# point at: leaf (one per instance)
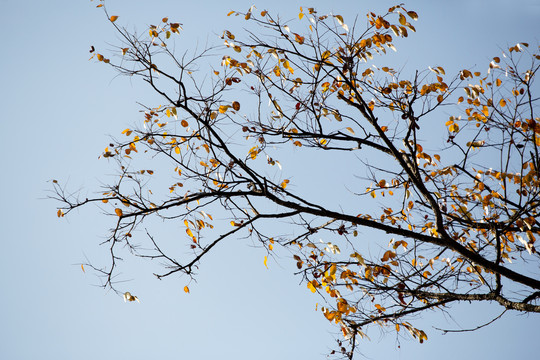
(113, 18)
(236, 105)
(186, 289)
(82, 268)
(118, 212)
(413, 15)
(299, 39)
(265, 261)
(184, 123)
(129, 297)
(502, 103)
(402, 19)
(349, 129)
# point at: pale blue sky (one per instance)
(58, 109)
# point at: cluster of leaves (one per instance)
(448, 226)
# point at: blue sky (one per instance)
(58, 110)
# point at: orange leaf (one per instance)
(186, 289)
(113, 18)
(118, 212)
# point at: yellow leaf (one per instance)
(118, 212)
(188, 231)
(60, 213)
(502, 103)
(129, 297)
(311, 287)
(265, 261)
(223, 109)
(402, 19)
(413, 16)
(186, 289)
(284, 183)
(82, 267)
(300, 16)
(177, 149)
(350, 130)
(113, 18)
(100, 57)
(332, 269)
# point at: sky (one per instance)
(58, 111)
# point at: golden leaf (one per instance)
(186, 289)
(129, 297)
(113, 18)
(413, 15)
(118, 212)
(265, 261)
